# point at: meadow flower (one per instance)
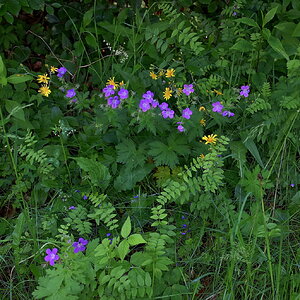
(217, 107)
(148, 95)
(202, 156)
(44, 90)
(188, 89)
(292, 185)
(210, 139)
(113, 102)
(245, 90)
(61, 72)
(186, 113)
(180, 128)
(227, 113)
(202, 122)
(85, 197)
(80, 245)
(154, 103)
(72, 207)
(167, 93)
(144, 105)
(201, 108)
(163, 106)
(51, 256)
(168, 113)
(217, 92)
(53, 69)
(108, 90)
(123, 93)
(153, 75)
(71, 93)
(111, 81)
(43, 78)
(170, 73)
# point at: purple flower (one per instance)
(72, 207)
(188, 89)
(234, 13)
(80, 245)
(85, 197)
(183, 217)
(136, 196)
(183, 233)
(148, 95)
(144, 105)
(168, 113)
(245, 90)
(217, 107)
(184, 225)
(123, 93)
(114, 102)
(154, 103)
(74, 100)
(186, 113)
(108, 90)
(164, 106)
(227, 113)
(61, 72)
(52, 256)
(180, 128)
(77, 191)
(71, 93)
(292, 185)
(108, 234)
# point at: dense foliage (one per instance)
(150, 149)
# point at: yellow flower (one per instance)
(53, 69)
(202, 122)
(170, 73)
(167, 94)
(161, 73)
(44, 90)
(201, 108)
(43, 78)
(111, 81)
(179, 91)
(202, 155)
(210, 139)
(153, 75)
(121, 83)
(218, 93)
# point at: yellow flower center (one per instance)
(210, 139)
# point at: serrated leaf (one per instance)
(136, 239)
(126, 228)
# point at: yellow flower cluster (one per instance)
(111, 81)
(44, 80)
(168, 73)
(210, 139)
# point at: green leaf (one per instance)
(87, 17)
(15, 109)
(242, 45)
(18, 78)
(136, 239)
(126, 228)
(123, 249)
(2, 68)
(275, 43)
(250, 145)
(269, 16)
(296, 32)
(248, 21)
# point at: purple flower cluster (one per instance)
(70, 94)
(186, 113)
(80, 245)
(115, 101)
(218, 107)
(147, 102)
(245, 90)
(188, 89)
(51, 256)
(61, 72)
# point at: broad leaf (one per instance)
(126, 228)
(136, 239)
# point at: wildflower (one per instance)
(111, 81)
(183, 233)
(202, 122)
(52, 256)
(210, 139)
(227, 113)
(44, 90)
(108, 234)
(77, 191)
(163, 106)
(170, 73)
(148, 95)
(202, 156)
(186, 113)
(43, 78)
(168, 113)
(71, 93)
(180, 128)
(113, 102)
(74, 100)
(217, 92)
(108, 90)
(72, 207)
(167, 93)
(85, 197)
(217, 107)
(136, 196)
(183, 217)
(145, 105)
(61, 72)
(161, 73)
(292, 185)
(121, 83)
(179, 91)
(53, 69)
(80, 245)
(123, 93)
(153, 76)
(245, 90)
(184, 225)
(154, 103)
(188, 89)
(201, 108)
